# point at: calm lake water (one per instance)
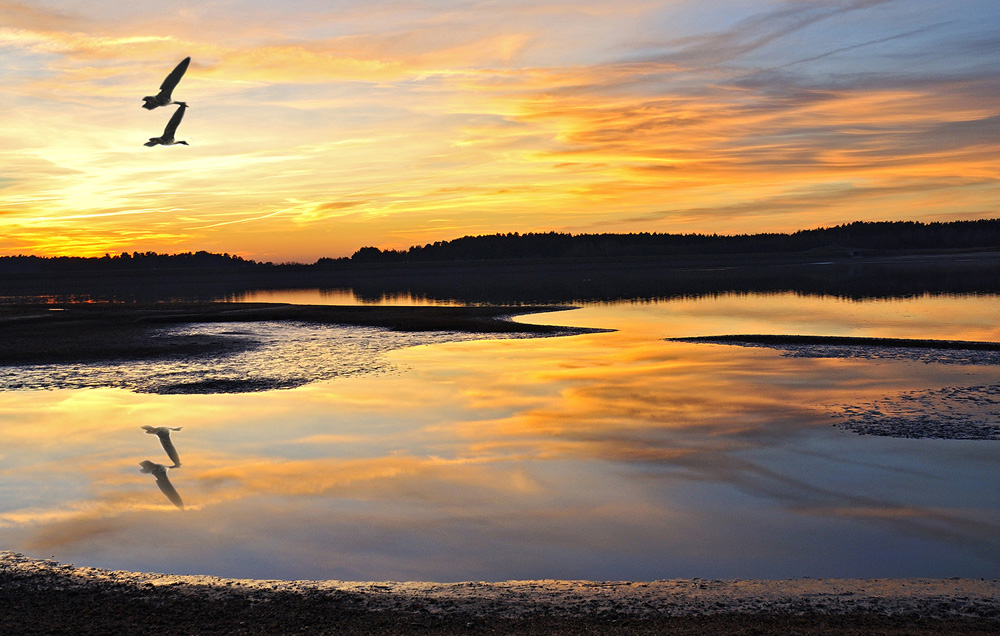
(607, 455)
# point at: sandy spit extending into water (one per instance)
(43, 596)
(95, 332)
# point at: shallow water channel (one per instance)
(607, 455)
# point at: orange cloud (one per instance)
(428, 125)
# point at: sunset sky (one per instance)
(321, 126)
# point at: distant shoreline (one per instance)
(42, 597)
(535, 281)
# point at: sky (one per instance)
(321, 126)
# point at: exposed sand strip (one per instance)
(95, 332)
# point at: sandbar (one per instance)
(95, 332)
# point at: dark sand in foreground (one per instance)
(45, 597)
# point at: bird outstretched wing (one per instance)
(159, 471)
(175, 120)
(175, 76)
(163, 432)
(168, 446)
(168, 489)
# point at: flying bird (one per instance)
(164, 97)
(167, 138)
(163, 432)
(160, 472)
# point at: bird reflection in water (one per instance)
(163, 432)
(160, 472)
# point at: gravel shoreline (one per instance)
(46, 597)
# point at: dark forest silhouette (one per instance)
(851, 239)
(854, 239)
(136, 261)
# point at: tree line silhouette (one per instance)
(125, 262)
(850, 238)
(856, 238)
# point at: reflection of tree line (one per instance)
(159, 471)
(527, 282)
(552, 283)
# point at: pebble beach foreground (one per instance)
(46, 597)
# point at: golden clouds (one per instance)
(422, 124)
(271, 64)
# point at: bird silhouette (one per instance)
(160, 472)
(167, 138)
(165, 96)
(163, 432)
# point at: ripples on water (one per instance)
(277, 355)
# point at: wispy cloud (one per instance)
(542, 116)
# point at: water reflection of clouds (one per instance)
(611, 455)
(663, 417)
(926, 316)
(654, 397)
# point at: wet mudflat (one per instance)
(42, 597)
(90, 332)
